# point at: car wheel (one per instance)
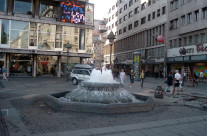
(75, 81)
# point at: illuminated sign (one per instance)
(73, 11)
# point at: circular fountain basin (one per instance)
(114, 108)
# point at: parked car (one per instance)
(78, 75)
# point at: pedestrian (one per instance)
(177, 79)
(131, 75)
(195, 78)
(201, 76)
(142, 79)
(169, 83)
(122, 77)
(4, 71)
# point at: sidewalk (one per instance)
(172, 115)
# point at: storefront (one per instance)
(2, 61)
(195, 58)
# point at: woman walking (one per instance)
(122, 76)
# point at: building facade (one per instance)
(35, 35)
(99, 38)
(137, 24)
(187, 29)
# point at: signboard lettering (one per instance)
(201, 48)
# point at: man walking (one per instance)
(201, 76)
(4, 71)
(177, 79)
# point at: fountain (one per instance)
(101, 94)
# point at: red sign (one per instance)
(201, 48)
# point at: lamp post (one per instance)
(115, 61)
(68, 46)
(111, 38)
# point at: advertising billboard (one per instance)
(73, 11)
(137, 64)
(89, 14)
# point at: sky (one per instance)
(102, 7)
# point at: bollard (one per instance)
(159, 92)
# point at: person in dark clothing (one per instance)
(195, 78)
(169, 83)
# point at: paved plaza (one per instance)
(176, 115)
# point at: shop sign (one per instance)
(201, 48)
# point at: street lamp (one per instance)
(111, 38)
(68, 46)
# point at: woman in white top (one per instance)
(122, 76)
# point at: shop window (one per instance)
(21, 65)
(47, 65)
(48, 9)
(46, 36)
(5, 32)
(19, 34)
(23, 7)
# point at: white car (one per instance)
(78, 75)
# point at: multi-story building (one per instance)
(136, 24)
(99, 38)
(35, 34)
(188, 29)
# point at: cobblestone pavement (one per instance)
(37, 119)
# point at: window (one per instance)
(46, 36)
(112, 16)
(163, 10)
(136, 23)
(189, 18)
(120, 10)
(4, 32)
(130, 2)
(153, 15)
(120, 31)
(19, 37)
(33, 34)
(112, 25)
(124, 29)
(130, 27)
(180, 42)
(48, 9)
(23, 7)
(175, 43)
(143, 6)
(149, 2)
(173, 5)
(3, 5)
(117, 13)
(110, 10)
(58, 39)
(120, 1)
(184, 41)
(183, 2)
(125, 17)
(143, 20)
(113, 7)
(136, 10)
(130, 14)
(170, 43)
(183, 20)
(109, 19)
(136, 0)
(196, 15)
(120, 20)
(116, 23)
(204, 11)
(149, 17)
(203, 38)
(158, 12)
(125, 6)
(173, 24)
(190, 39)
(196, 41)
(82, 39)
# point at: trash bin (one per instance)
(159, 92)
